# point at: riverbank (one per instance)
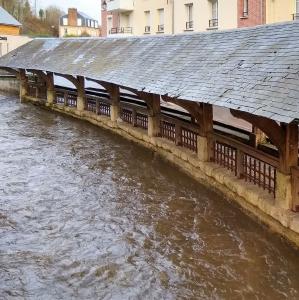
(251, 198)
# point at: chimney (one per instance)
(73, 16)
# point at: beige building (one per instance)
(139, 17)
(201, 15)
(10, 37)
(11, 42)
(281, 10)
(127, 17)
(77, 24)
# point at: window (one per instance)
(215, 9)
(161, 20)
(147, 16)
(245, 8)
(65, 31)
(109, 23)
(79, 22)
(65, 21)
(189, 13)
(297, 6)
(214, 21)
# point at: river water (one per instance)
(85, 214)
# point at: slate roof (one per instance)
(82, 14)
(254, 70)
(7, 19)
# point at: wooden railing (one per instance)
(259, 172)
(71, 99)
(98, 105)
(179, 131)
(135, 115)
(295, 188)
(37, 90)
(168, 130)
(245, 162)
(59, 98)
(66, 97)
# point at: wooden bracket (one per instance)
(268, 126)
(48, 77)
(12, 71)
(284, 137)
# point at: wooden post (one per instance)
(178, 134)
(289, 152)
(50, 88)
(23, 85)
(240, 165)
(115, 102)
(204, 144)
(98, 111)
(295, 189)
(65, 98)
(81, 93)
(134, 117)
(154, 115)
(288, 159)
(257, 137)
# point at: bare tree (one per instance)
(53, 14)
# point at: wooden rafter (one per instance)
(12, 71)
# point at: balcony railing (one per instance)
(161, 28)
(120, 5)
(189, 25)
(213, 23)
(296, 16)
(245, 14)
(117, 30)
(147, 29)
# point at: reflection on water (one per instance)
(85, 214)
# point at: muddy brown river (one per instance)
(85, 214)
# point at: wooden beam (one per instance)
(70, 78)
(12, 71)
(268, 126)
(192, 107)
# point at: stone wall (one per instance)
(9, 84)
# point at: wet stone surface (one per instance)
(85, 214)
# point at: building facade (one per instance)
(258, 12)
(78, 24)
(10, 29)
(8, 24)
(142, 17)
(204, 15)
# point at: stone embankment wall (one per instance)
(9, 84)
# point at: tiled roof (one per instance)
(255, 70)
(7, 19)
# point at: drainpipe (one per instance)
(262, 12)
(173, 1)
